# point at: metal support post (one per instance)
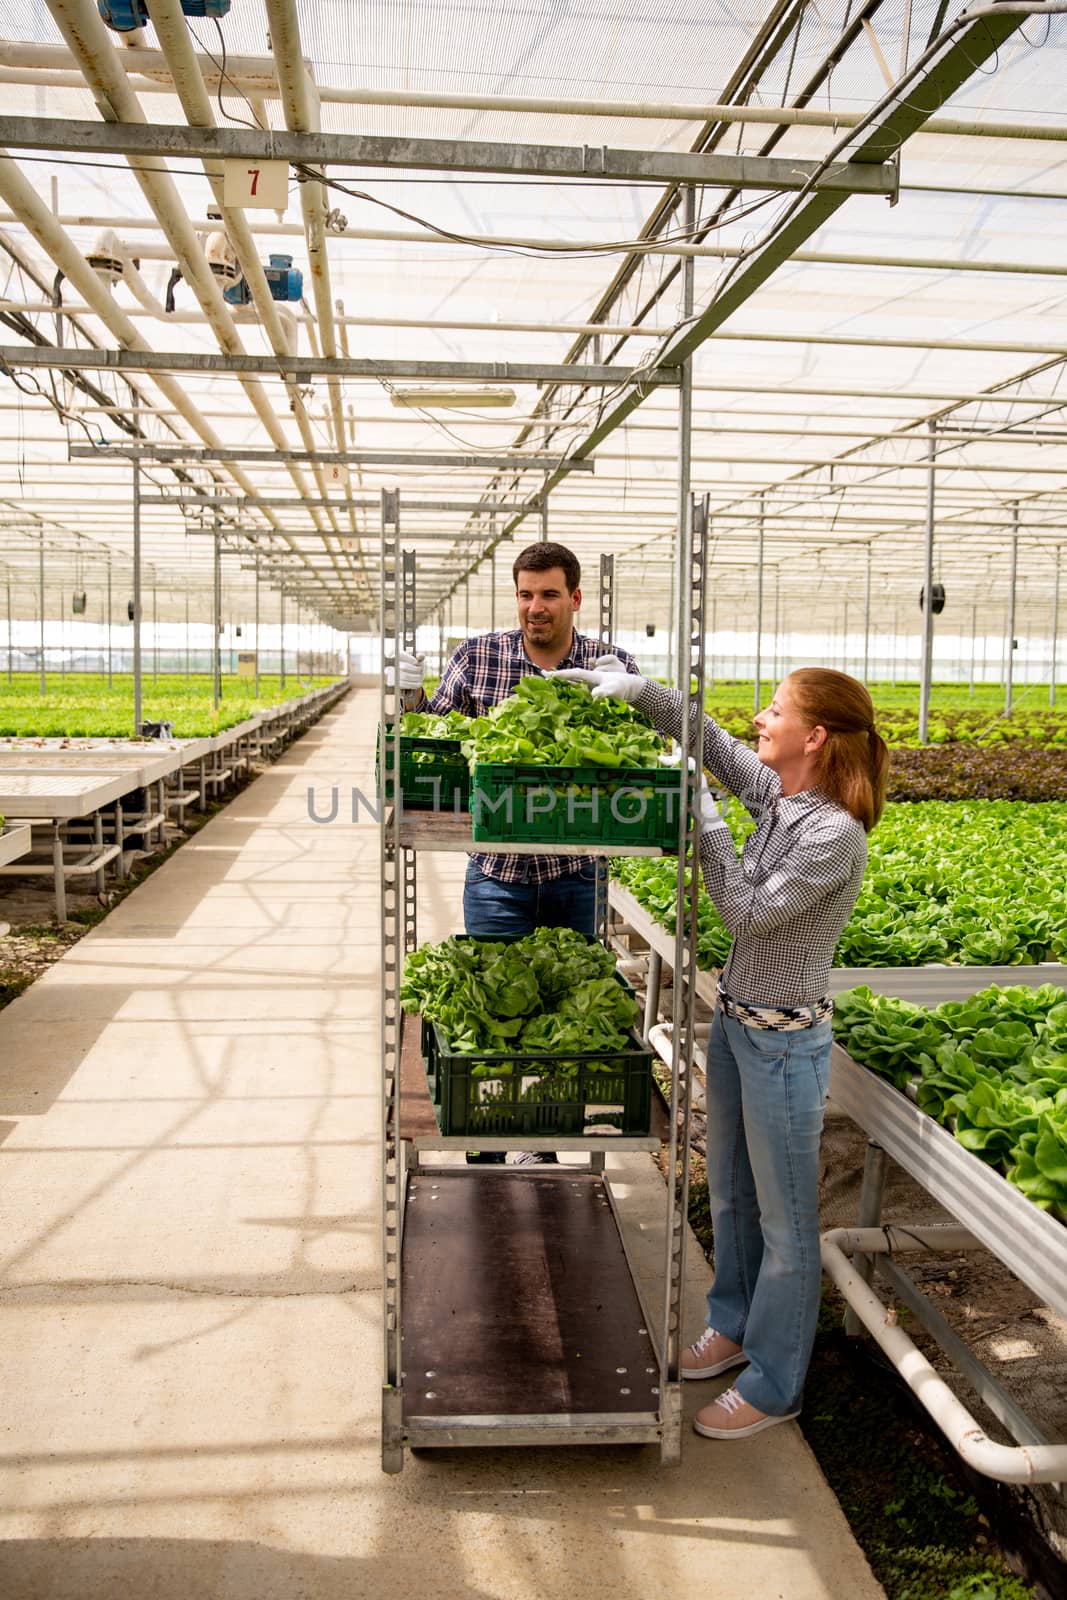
(867, 618)
(974, 641)
(9, 633)
(758, 673)
(100, 875)
(109, 620)
(777, 673)
(256, 628)
(680, 567)
(1055, 628)
(652, 985)
(1009, 642)
(58, 873)
(281, 636)
(155, 635)
(543, 533)
(606, 625)
(40, 605)
(216, 648)
(392, 934)
(692, 588)
(136, 597)
(408, 625)
(872, 1189)
(926, 665)
(492, 584)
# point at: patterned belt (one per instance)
(778, 1019)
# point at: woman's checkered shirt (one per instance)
(788, 898)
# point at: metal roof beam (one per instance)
(443, 155)
(359, 502)
(342, 366)
(539, 461)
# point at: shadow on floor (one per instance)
(196, 1569)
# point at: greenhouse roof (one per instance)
(460, 244)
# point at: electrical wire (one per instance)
(310, 174)
(224, 76)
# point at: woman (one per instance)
(815, 786)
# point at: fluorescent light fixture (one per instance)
(434, 399)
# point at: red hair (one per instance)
(853, 763)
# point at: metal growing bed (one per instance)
(990, 1213)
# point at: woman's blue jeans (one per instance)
(766, 1093)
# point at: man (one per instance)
(514, 894)
(505, 894)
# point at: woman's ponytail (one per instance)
(854, 765)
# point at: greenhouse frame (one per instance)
(314, 318)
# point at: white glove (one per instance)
(608, 664)
(707, 810)
(613, 685)
(410, 671)
(708, 813)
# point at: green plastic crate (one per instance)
(505, 1094)
(429, 1032)
(434, 775)
(575, 805)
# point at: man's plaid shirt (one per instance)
(482, 672)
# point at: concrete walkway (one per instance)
(190, 1346)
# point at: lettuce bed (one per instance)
(991, 1069)
(956, 718)
(80, 705)
(981, 883)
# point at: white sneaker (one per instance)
(732, 1417)
(711, 1354)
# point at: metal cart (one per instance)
(511, 1311)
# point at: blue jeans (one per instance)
(766, 1093)
(492, 908)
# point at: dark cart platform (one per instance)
(521, 1320)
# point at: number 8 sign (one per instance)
(262, 185)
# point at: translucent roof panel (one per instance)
(814, 393)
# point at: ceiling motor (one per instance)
(285, 282)
(126, 16)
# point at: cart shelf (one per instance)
(442, 830)
(521, 1320)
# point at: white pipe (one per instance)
(301, 110)
(660, 1037)
(1007, 1463)
(88, 38)
(31, 210)
(258, 75)
(131, 277)
(281, 329)
(890, 1240)
(472, 325)
(833, 258)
